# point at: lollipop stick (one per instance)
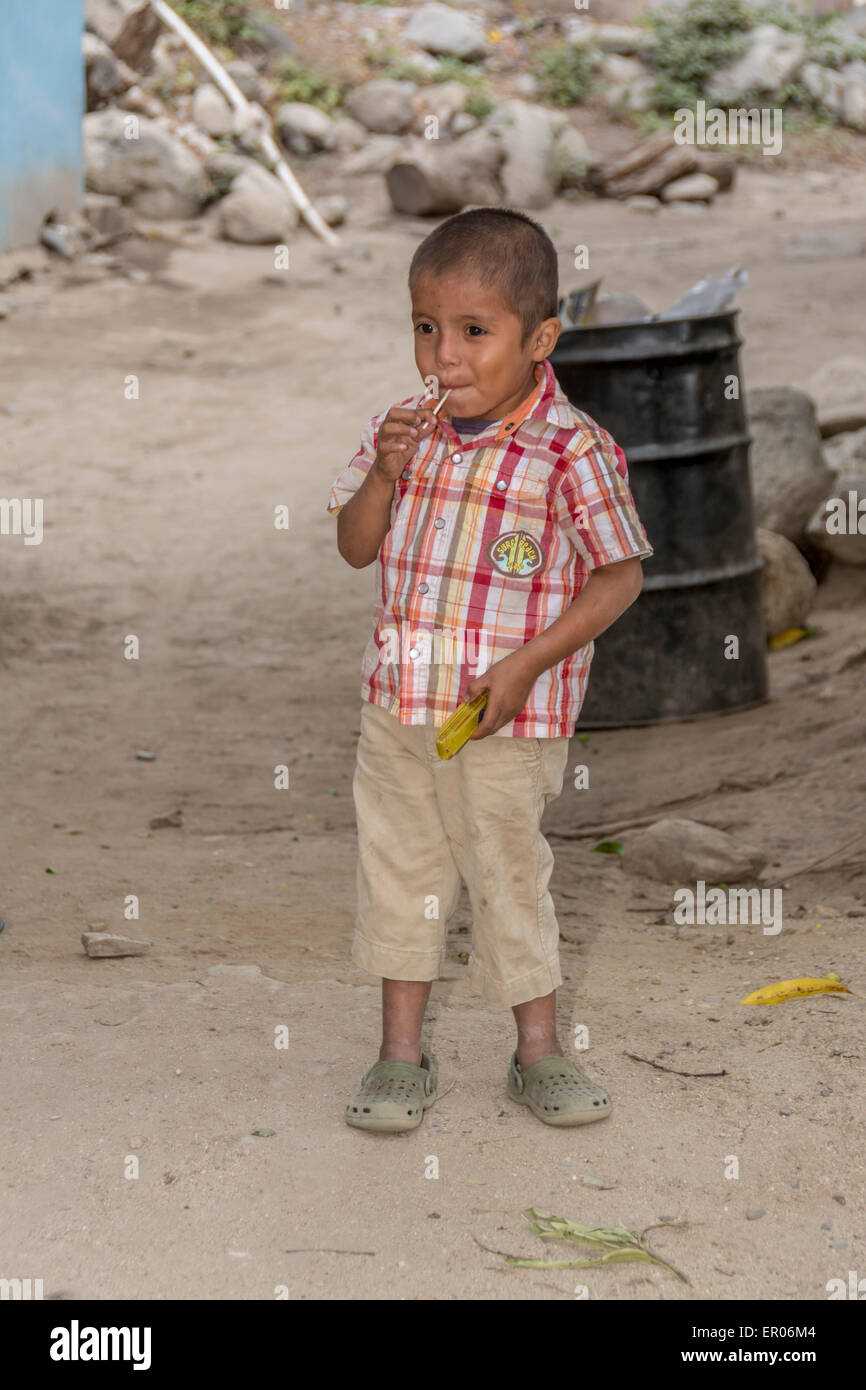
(437, 408)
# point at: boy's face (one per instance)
(467, 337)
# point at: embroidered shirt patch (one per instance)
(516, 554)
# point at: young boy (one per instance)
(507, 539)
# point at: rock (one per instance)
(129, 27)
(376, 157)
(136, 99)
(258, 210)
(526, 85)
(104, 74)
(677, 851)
(692, 188)
(625, 83)
(529, 173)
(166, 822)
(463, 123)
(437, 176)
(383, 105)
(155, 172)
(755, 1213)
(772, 61)
(643, 202)
(839, 390)
(846, 453)
(304, 128)
(789, 474)
(333, 208)
(107, 215)
(854, 94)
(348, 134)
(168, 54)
(626, 39)
(572, 157)
(211, 112)
(825, 86)
(441, 29)
(245, 76)
(224, 166)
(444, 100)
(103, 944)
(838, 527)
(787, 584)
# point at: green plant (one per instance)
(221, 21)
(315, 86)
(564, 73)
(689, 44)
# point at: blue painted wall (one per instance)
(41, 108)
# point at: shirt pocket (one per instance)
(525, 500)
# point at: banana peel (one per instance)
(799, 989)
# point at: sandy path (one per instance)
(159, 523)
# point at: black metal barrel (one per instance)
(671, 394)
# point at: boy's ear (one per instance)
(544, 339)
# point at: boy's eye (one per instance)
(423, 326)
(475, 328)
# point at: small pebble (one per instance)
(593, 1182)
(755, 1213)
(434, 1216)
(785, 1110)
(825, 1226)
(827, 1091)
(144, 756)
(839, 1245)
(837, 1197)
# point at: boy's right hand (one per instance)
(400, 433)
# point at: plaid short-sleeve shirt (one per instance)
(491, 540)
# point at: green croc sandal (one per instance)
(557, 1091)
(393, 1096)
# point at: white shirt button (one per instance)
(414, 652)
(457, 458)
(501, 484)
(439, 523)
(405, 473)
(422, 588)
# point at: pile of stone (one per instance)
(192, 152)
(773, 60)
(809, 479)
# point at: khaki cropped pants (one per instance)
(425, 824)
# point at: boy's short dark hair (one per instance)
(508, 252)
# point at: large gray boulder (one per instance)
(143, 163)
(839, 391)
(383, 105)
(304, 128)
(787, 584)
(625, 82)
(839, 524)
(683, 851)
(772, 60)
(105, 76)
(443, 30)
(854, 94)
(211, 112)
(258, 210)
(789, 473)
(529, 174)
(826, 86)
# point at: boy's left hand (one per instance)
(508, 683)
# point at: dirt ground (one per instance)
(254, 385)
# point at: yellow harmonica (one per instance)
(460, 726)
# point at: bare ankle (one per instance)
(400, 1051)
